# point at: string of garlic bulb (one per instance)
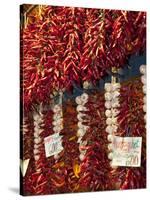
(112, 93)
(143, 80)
(58, 120)
(38, 123)
(81, 101)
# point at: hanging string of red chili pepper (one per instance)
(95, 165)
(131, 123)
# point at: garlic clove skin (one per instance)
(143, 69)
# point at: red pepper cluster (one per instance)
(131, 124)
(94, 175)
(65, 45)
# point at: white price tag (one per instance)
(127, 151)
(53, 145)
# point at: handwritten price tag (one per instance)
(127, 151)
(53, 145)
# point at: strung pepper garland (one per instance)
(131, 123)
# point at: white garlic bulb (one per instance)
(79, 140)
(110, 156)
(56, 156)
(144, 107)
(110, 147)
(144, 89)
(37, 140)
(143, 69)
(36, 151)
(115, 103)
(115, 112)
(109, 121)
(110, 137)
(108, 113)
(144, 99)
(114, 120)
(115, 94)
(115, 86)
(80, 116)
(81, 108)
(143, 79)
(57, 129)
(108, 87)
(109, 129)
(108, 96)
(57, 108)
(78, 100)
(108, 104)
(36, 134)
(36, 157)
(84, 98)
(81, 157)
(81, 132)
(36, 146)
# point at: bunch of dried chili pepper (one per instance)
(131, 123)
(94, 175)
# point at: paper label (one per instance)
(53, 144)
(127, 151)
